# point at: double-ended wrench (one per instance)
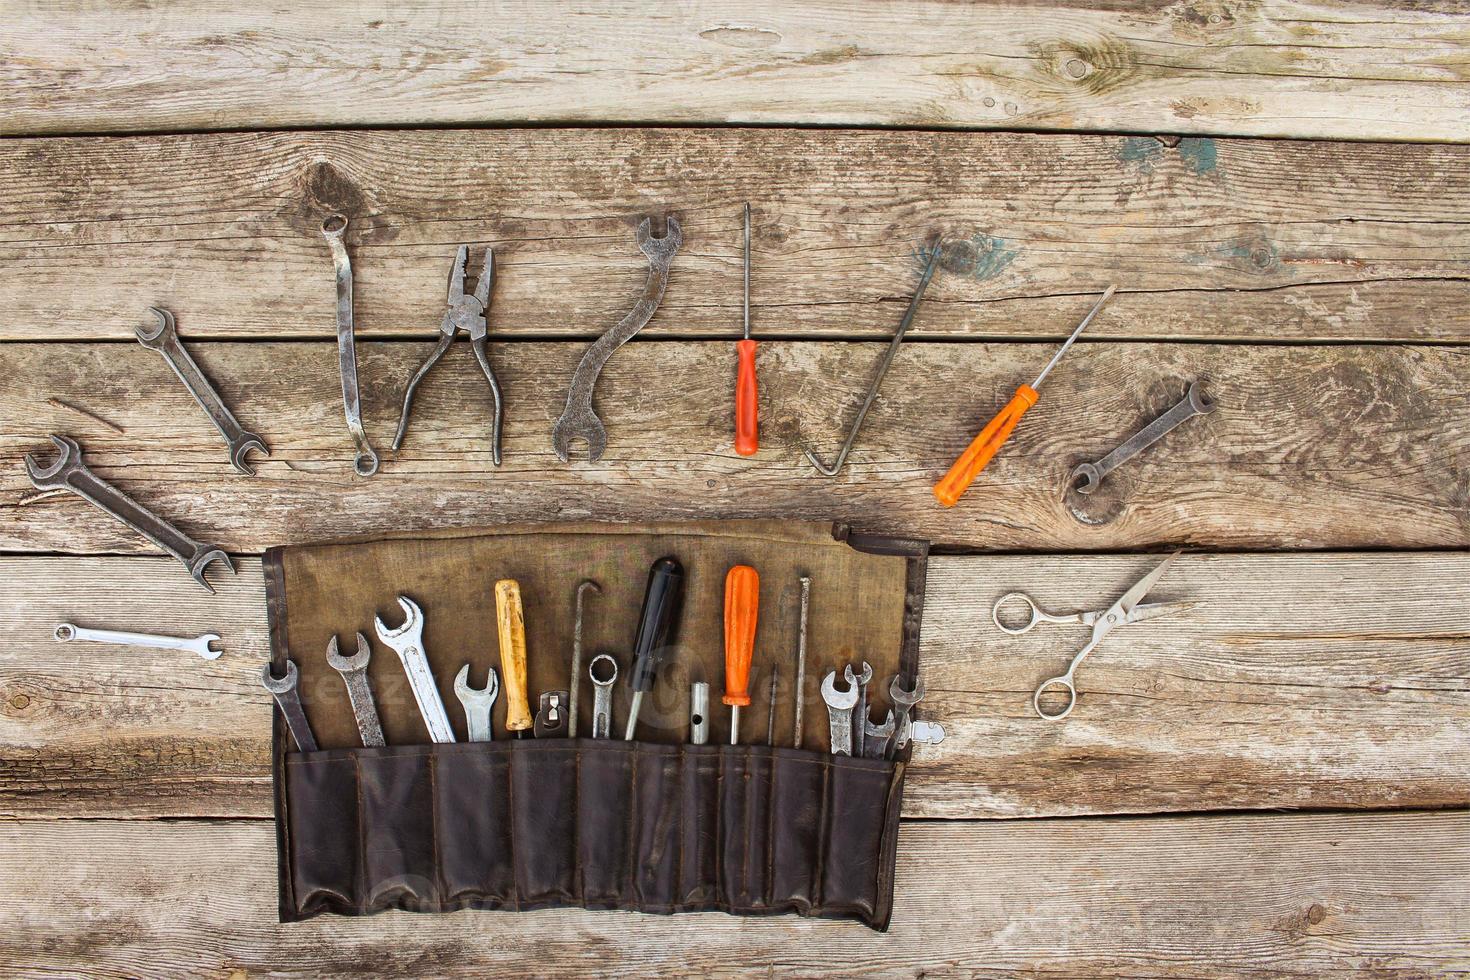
(165, 340)
(202, 644)
(1087, 476)
(365, 463)
(354, 674)
(408, 642)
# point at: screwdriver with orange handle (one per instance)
(742, 604)
(984, 446)
(511, 622)
(747, 422)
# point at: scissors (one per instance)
(1103, 621)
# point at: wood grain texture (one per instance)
(1312, 447)
(1211, 239)
(1297, 681)
(1367, 70)
(1372, 894)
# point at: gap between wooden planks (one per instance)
(1371, 70)
(1311, 447)
(1378, 894)
(1297, 681)
(1247, 240)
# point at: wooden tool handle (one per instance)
(511, 620)
(975, 458)
(742, 603)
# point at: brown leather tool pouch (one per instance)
(656, 824)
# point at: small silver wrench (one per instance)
(288, 699)
(202, 644)
(860, 721)
(68, 472)
(365, 463)
(477, 703)
(602, 696)
(354, 674)
(904, 701)
(877, 737)
(580, 420)
(839, 709)
(165, 340)
(408, 642)
(1086, 476)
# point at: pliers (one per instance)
(465, 313)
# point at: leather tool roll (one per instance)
(655, 825)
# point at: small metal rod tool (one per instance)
(771, 711)
(806, 598)
(883, 365)
(698, 713)
(583, 587)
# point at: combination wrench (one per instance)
(580, 420)
(202, 644)
(877, 737)
(477, 703)
(904, 701)
(69, 473)
(365, 463)
(602, 696)
(165, 340)
(1086, 476)
(408, 642)
(354, 674)
(860, 721)
(839, 709)
(288, 699)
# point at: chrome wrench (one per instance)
(580, 420)
(408, 642)
(202, 644)
(905, 701)
(288, 699)
(365, 463)
(1086, 476)
(165, 340)
(477, 703)
(839, 709)
(69, 473)
(354, 674)
(602, 696)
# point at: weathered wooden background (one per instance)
(182, 155)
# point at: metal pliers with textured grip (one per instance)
(465, 313)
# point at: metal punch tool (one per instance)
(466, 313)
(1121, 613)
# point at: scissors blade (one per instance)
(1149, 610)
(1123, 608)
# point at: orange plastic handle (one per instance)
(742, 602)
(975, 458)
(747, 425)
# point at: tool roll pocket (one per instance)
(657, 825)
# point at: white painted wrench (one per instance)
(199, 644)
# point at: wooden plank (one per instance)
(1298, 681)
(1336, 447)
(1377, 894)
(1211, 239)
(1372, 70)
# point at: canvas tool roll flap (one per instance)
(657, 824)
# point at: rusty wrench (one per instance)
(1087, 476)
(860, 722)
(354, 674)
(839, 709)
(165, 340)
(905, 701)
(580, 420)
(288, 698)
(68, 472)
(365, 463)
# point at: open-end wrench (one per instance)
(839, 709)
(408, 642)
(584, 586)
(602, 696)
(202, 644)
(477, 703)
(580, 420)
(288, 699)
(904, 701)
(877, 737)
(165, 340)
(1086, 476)
(354, 674)
(69, 473)
(860, 725)
(365, 463)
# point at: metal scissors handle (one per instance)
(1037, 614)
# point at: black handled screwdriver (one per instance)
(657, 629)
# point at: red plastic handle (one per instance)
(742, 603)
(747, 425)
(977, 455)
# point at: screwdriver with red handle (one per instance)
(747, 423)
(742, 604)
(977, 456)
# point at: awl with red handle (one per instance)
(747, 421)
